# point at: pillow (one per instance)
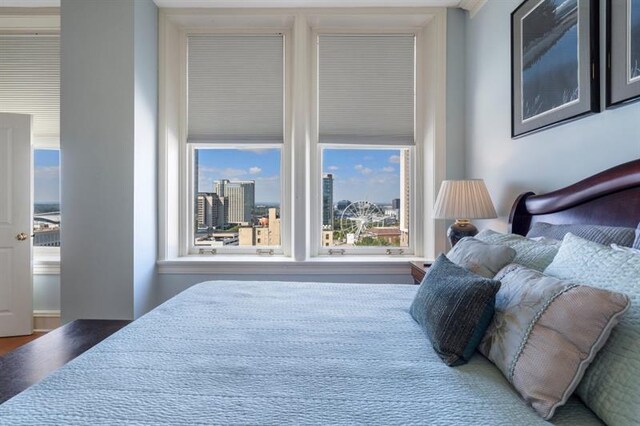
(546, 332)
(636, 243)
(532, 254)
(605, 235)
(611, 386)
(625, 249)
(479, 257)
(454, 307)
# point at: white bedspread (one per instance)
(276, 353)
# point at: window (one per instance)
(235, 139)
(46, 198)
(311, 86)
(366, 197)
(366, 98)
(236, 197)
(30, 70)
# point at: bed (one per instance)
(225, 352)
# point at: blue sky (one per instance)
(363, 174)
(46, 184)
(359, 174)
(261, 165)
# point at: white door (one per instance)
(16, 305)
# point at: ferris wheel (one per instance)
(359, 217)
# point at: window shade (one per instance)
(236, 88)
(30, 81)
(366, 89)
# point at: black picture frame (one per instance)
(623, 52)
(554, 63)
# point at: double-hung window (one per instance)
(30, 84)
(365, 143)
(235, 143)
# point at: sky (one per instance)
(46, 183)
(363, 174)
(359, 174)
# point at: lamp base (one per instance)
(460, 229)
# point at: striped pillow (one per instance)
(605, 235)
(454, 307)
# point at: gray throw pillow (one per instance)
(535, 255)
(636, 243)
(605, 235)
(481, 258)
(454, 308)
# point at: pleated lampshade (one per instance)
(464, 199)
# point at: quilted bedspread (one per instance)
(276, 353)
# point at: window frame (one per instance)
(300, 256)
(415, 186)
(192, 249)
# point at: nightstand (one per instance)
(418, 269)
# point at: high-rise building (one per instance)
(327, 200)
(210, 210)
(395, 204)
(405, 185)
(239, 200)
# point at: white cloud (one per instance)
(388, 169)
(394, 159)
(362, 169)
(332, 168)
(255, 170)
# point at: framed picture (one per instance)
(554, 63)
(623, 51)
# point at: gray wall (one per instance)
(543, 161)
(107, 115)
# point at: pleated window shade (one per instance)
(366, 89)
(30, 81)
(236, 88)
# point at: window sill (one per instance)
(46, 265)
(280, 265)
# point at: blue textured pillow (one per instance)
(605, 235)
(454, 307)
(636, 243)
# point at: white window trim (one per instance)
(429, 151)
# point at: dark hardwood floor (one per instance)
(31, 362)
(7, 344)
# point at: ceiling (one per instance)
(267, 3)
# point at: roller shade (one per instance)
(236, 88)
(366, 89)
(30, 81)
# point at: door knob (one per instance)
(22, 236)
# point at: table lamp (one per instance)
(463, 200)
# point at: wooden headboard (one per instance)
(609, 198)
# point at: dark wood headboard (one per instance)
(609, 198)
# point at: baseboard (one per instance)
(44, 321)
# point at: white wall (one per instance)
(543, 161)
(108, 113)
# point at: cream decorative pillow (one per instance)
(481, 258)
(545, 333)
